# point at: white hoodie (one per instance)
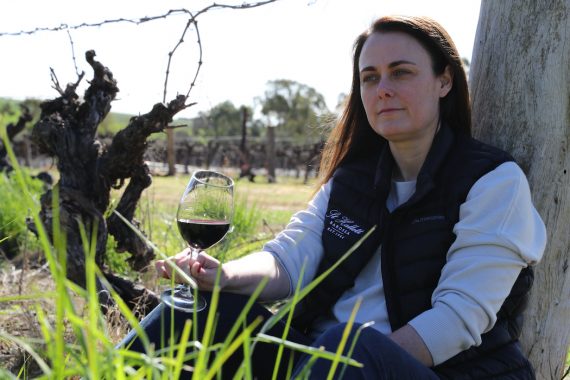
(499, 233)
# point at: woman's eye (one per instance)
(400, 72)
(370, 78)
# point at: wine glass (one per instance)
(204, 217)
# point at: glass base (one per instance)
(181, 298)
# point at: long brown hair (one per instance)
(353, 136)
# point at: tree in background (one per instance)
(521, 102)
(297, 106)
(223, 119)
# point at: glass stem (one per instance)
(188, 289)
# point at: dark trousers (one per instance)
(382, 358)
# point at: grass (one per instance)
(262, 210)
(14, 235)
(68, 336)
(277, 201)
(59, 330)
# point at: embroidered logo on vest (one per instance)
(431, 218)
(340, 225)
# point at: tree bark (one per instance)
(170, 154)
(89, 170)
(521, 102)
(244, 160)
(270, 154)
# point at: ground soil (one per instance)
(27, 283)
(18, 318)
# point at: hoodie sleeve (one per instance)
(498, 234)
(300, 244)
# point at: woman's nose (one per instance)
(384, 89)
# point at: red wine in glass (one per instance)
(202, 234)
(204, 217)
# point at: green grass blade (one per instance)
(353, 344)
(305, 372)
(60, 244)
(288, 322)
(247, 368)
(5, 374)
(29, 297)
(344, 339)
(179, 272)
(46, 330)
(312, 351)
(182, 349)
(243, 314)
(93, 307)
(208, 334)
(126, 312)
(313, 284)
(225, 354)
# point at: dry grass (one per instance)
(19, 317)
(288, 194)
(276, 202)
(27, 275)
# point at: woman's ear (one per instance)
(446, 80)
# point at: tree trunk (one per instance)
(88, 170)
(243, 142)
(244, 160)
(270, 154)
(521, 102)
(170, 154)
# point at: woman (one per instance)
(445, 274)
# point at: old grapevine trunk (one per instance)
(520, 87)
(88, 171)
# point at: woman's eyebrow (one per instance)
(400, 62)
(368, 68)
(391, 65)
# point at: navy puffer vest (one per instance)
(415, 239)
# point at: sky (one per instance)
(308, 41)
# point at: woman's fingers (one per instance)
(161, 269)
(207, 261)
(195, 269)
(201, 267)
(164, 268)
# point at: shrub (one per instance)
(14, 234)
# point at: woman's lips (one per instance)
(388, 110)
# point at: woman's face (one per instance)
(399, 89)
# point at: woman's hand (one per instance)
(202, 268)
(240, 276)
